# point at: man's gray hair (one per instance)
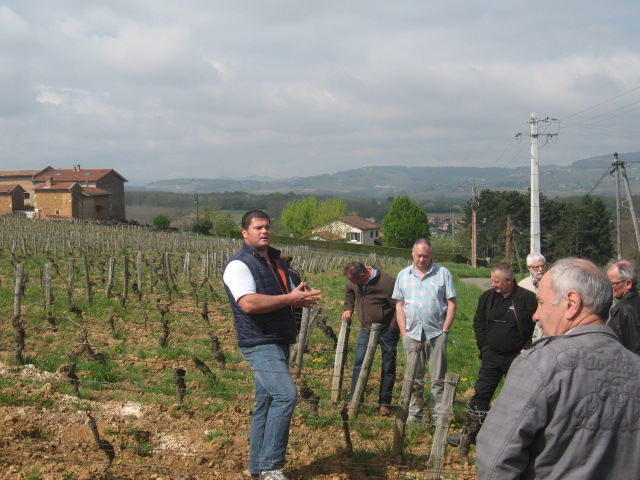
(421, 241)
(626, 270)
(585, 278)
(504, 268)
(534, 257)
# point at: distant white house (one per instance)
(349, 228)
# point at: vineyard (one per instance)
(118, 360)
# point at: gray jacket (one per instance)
(570, 409)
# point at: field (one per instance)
(110, 366)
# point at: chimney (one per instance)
(49, 181)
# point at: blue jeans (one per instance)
(387, 341)
(276, 398)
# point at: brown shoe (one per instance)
(384, 411)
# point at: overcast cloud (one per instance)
(162, 89)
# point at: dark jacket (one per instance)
(525, 305)
(376, 304)
(263, 328)
(624, 319)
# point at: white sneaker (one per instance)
(272, 475)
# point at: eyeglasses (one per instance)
(537, 267)
(613, 284)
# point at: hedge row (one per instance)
(356, 248)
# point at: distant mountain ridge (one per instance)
(423, 182)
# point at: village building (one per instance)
(70, 200)
(11, 198)
(24, 178)
(86, 194)
(349, 228)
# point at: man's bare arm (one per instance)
(401, 317)
(451, 313)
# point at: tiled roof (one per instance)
(361, 223)
(9, 188)
(94, 192)
(71, 175)
(22, 173)
(55, 186)
(331, 237)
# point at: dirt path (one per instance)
(483, 283)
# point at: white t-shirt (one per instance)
(240, 281)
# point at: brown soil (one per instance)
(155, 441)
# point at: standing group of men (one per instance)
(418, 306)
(570, 406)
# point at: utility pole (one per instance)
(195, 200)
(509, 241)
(535, 185)
(615, 165)
(474, 238)
(619, 165)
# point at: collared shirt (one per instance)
(425, 299)
(374, 274)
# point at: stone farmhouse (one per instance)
(349, 228)
(11, 198)
(85, 194)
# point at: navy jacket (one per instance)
(263, 328)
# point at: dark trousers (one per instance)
(388, 342)
(492, 369)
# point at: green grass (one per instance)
(126, 376)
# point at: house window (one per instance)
(354, 237)
(57, 212)
(371, 233)
(27, 195)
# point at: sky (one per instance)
(165, 89)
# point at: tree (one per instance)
(221, 222)
(494, 211)
(201, 226)
(567, 228)
(301, 216)
(161, 221)
(214, 222)
(583, 230)
(405, 223)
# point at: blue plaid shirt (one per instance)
(425, 299)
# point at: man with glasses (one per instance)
(624, 317)
(503, 325)
(537, 265)
(569, 407)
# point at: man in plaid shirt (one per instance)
(425, 311)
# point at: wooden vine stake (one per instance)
(304, 326)
(403, 405)
(15, 320)
(436, 459)
(361, 381)
(340, 361)
(48, 296)
(87, 279)
(181, 386)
